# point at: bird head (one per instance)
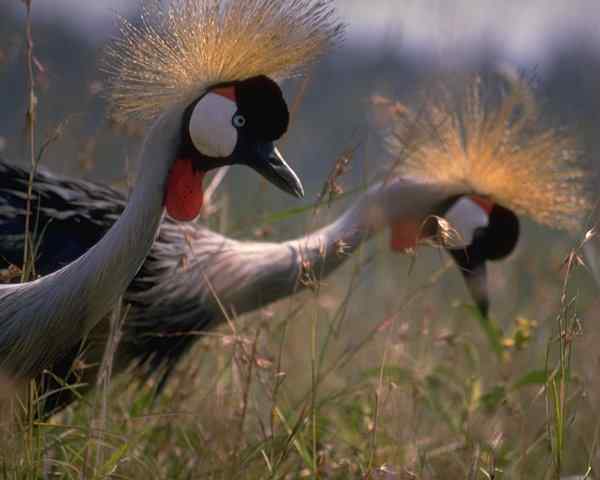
(490, 232)
(480, 231)
(487, 135)
(232, 123)
(219, 64)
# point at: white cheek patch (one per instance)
(210, 126)
(465, 217)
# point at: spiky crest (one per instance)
(494, 141)
(180, 49)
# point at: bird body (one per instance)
(191, 272)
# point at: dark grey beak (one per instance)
(271, 165)
(474, 272)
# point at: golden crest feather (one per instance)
(495, 143)
(181, 49)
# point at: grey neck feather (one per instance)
(249, 275)
(38, 319)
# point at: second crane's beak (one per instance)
(271, 165)
(474, 271)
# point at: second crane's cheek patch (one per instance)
(184, 196)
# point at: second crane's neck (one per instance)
(248, 275)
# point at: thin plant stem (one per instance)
(30, 129)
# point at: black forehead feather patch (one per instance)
(502, 233)
(261, 101)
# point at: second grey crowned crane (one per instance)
(489, 133)
(204, 75)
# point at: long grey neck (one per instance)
(261, 273)
(42, 318)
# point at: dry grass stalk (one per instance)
(28, 256)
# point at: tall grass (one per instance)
(287, 393)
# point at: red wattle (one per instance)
(184, 196)
(484, 203)
(404, 235)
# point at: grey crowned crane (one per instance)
(488, 133)
(203, 73)
(174, 292)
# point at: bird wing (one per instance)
(68, 216)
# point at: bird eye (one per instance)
(239, 121)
